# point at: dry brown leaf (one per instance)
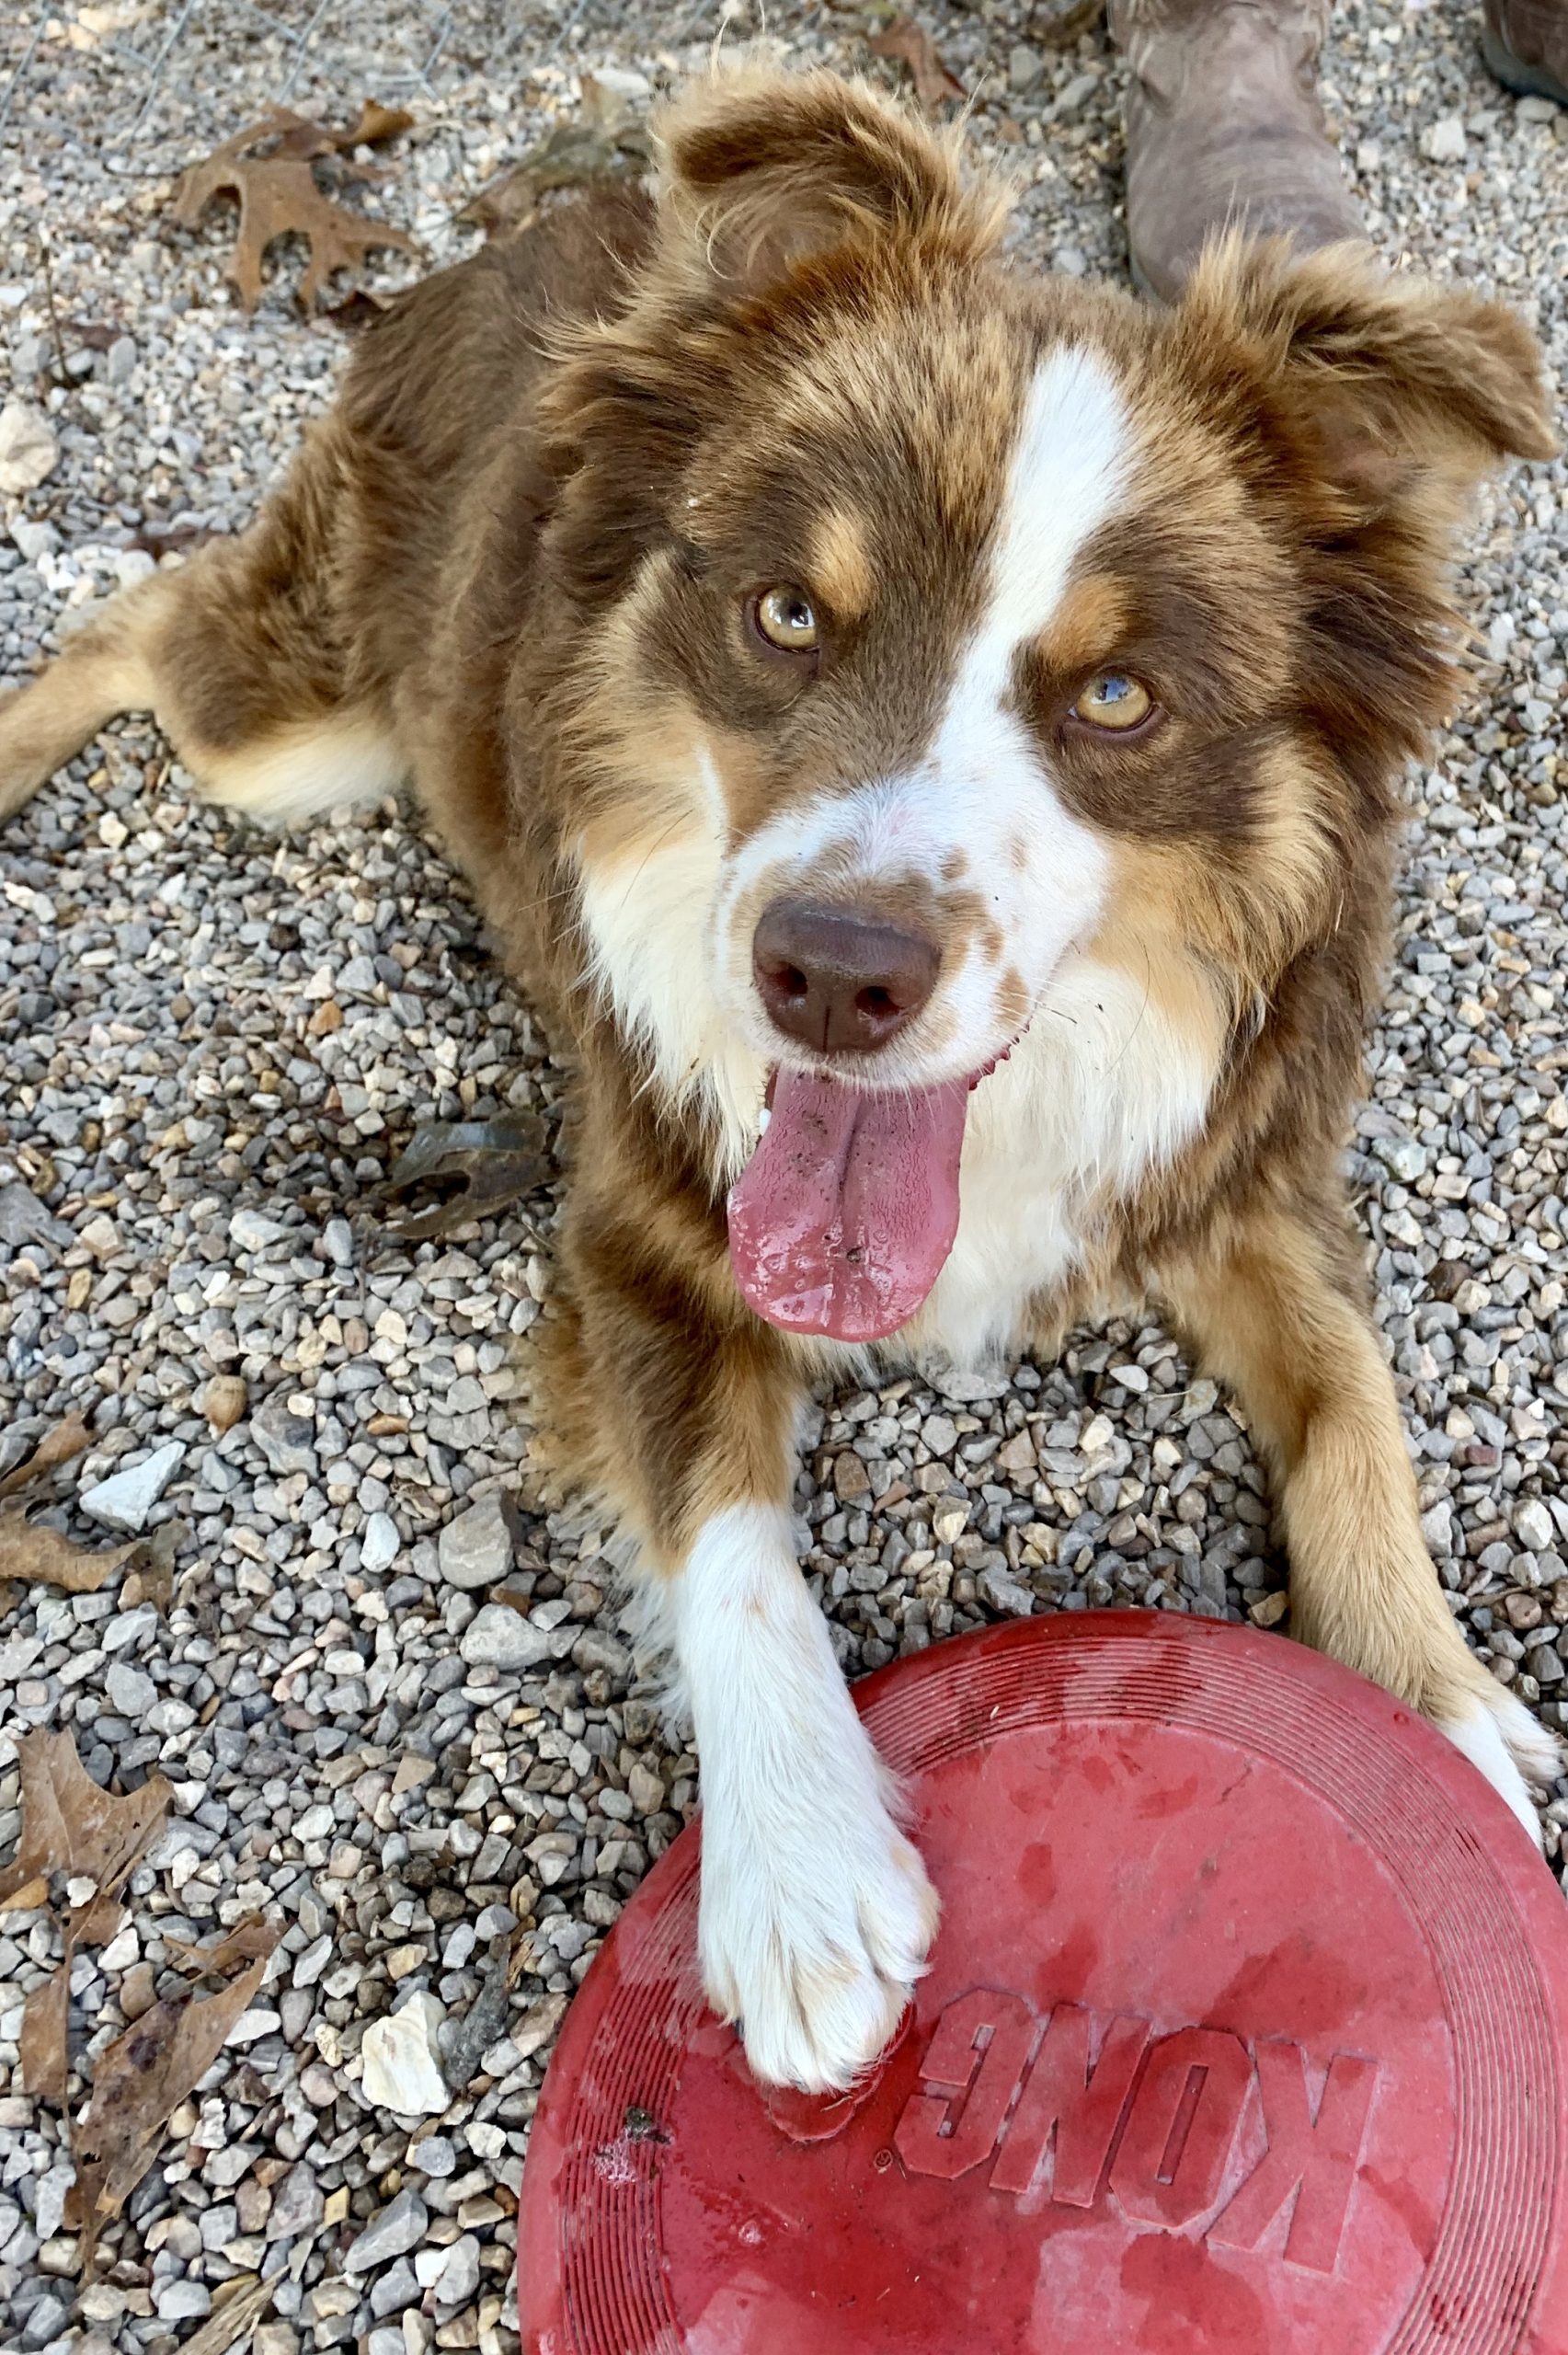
(140, 2081)
(454, 1172)
(234, 2315)
(278, 195)
(67, 1438)
(909, 44)
(604, 147)
(30, 1551)
(45, 2056)
(242, 1943)
(70, 1826)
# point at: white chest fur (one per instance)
(1102, 1088)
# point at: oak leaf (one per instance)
(141, 2080)
(278, 195)
(44, 2052)
(71, 1826)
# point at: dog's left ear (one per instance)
(1376, 381)
(763, 171)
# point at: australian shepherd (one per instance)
(928, 738)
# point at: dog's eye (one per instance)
(784, 617)
(1114, 702)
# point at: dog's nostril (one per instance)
(837, 979)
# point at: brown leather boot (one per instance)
(1525, 42)
(1223, 126)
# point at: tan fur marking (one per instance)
(840, 564)
(315, 765)
(1012, 1000)
(1084, 629)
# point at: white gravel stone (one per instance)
(34, 539)
(1445, 141)
(124, 1500)
(380, 1545)
(130, 1693)
(29, 449)
(458, 2277)
(249, 1231)
(1533, 1525)
(402, 2066)
(182, 2300)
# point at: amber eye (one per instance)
(1114, 701)
(784, 617)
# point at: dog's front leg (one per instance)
(816, 1913)
(1273, 1304)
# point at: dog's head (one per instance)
(944, 632)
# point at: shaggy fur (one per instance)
(517, 567)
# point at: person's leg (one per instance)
(1525, 42)
(1224, 126)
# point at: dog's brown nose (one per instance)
(837, 980)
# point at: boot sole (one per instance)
(1525, 81)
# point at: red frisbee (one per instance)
(1247, 2033)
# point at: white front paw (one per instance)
(1512, 1748)
(812, 1934)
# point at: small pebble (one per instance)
(480, 1547)
(395, 2229)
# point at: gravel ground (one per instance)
(214, 1042)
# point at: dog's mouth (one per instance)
(843, 1219)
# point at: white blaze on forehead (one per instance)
(990, 777)
(1070, 467)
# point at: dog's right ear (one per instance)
(763, 171)
(764, 177)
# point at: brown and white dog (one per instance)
(928, 738)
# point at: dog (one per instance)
(928, 738)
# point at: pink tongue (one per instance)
(841, 1219)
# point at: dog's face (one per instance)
(951, 634)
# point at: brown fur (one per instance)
(506, 568)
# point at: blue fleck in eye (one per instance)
(1113, 701)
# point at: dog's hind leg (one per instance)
(108, 667)
(245, 657)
